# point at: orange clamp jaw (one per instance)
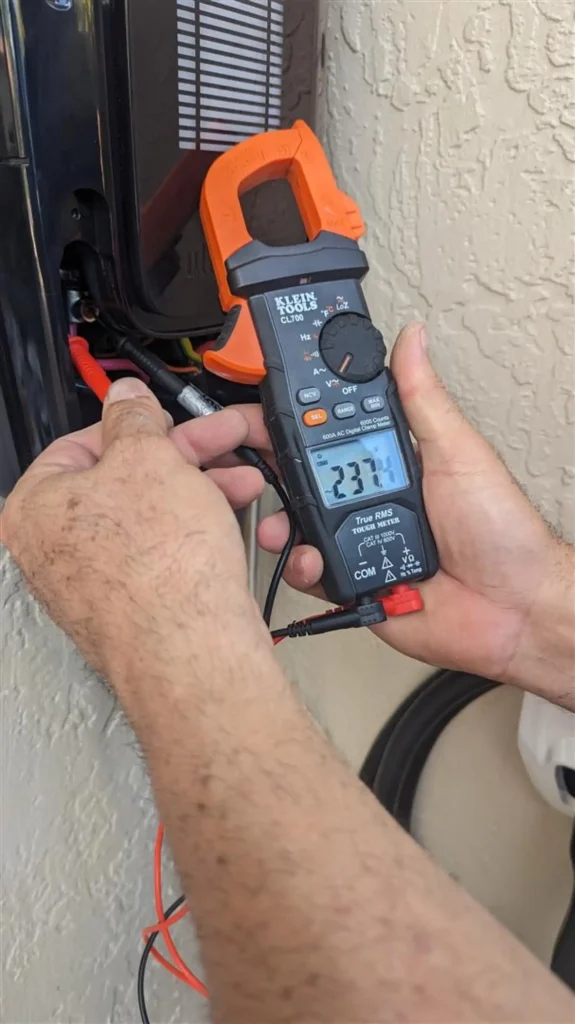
(295, 154)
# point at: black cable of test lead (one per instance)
(196, 403)
(368, 612)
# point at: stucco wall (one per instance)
(77, 823)
(454, 124)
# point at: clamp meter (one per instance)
(299, 327)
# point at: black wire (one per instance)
(144, 962)
(395, 763)
(283, 559)
(563, 960)
(253, 458)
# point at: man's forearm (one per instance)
(311, 904)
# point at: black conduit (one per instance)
(395, 763)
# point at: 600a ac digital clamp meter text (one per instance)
(299, 327)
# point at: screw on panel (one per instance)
(84, 311)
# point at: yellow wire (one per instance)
(190, 351)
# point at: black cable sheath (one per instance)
(395, 763)
(144, 962)
(150, 364)
(563, 959)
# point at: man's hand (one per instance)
(127, 543)
(502, 603)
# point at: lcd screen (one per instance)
(351, 471)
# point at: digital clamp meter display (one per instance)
(342, 440)
(301, 329)
(360, 468)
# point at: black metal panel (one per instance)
(10, 148)
(36, 378)
(90, 134)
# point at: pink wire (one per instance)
(111, 365)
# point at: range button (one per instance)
(373, 404)
(344, 411)
(308, 396)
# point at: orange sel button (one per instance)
(315, 417)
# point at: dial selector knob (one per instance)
(352, 347)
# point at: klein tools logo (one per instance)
(304, 302)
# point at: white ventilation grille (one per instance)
(229, 70)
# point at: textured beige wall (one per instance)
(453, 123)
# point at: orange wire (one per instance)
(160, 930)
(168, 966)
(170, 923)
(179, 968)
(183, 369)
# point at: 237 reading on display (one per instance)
(368, 465)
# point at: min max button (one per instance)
(373, 404)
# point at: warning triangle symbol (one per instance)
(387, 564)
(390, 578)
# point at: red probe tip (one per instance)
(88, 368)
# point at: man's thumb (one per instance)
(131, 410)
(433, 416)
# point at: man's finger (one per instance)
(131, 410)
(305, 566)
(273, 532)
(203, 440)
(305, 570)
(437, 423)
(241, 484)
(257, 436)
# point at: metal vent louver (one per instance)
(229, 70)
